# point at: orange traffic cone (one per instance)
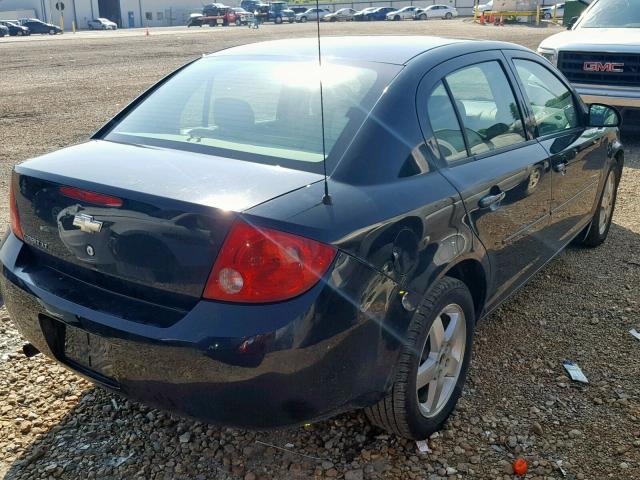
(482, 18)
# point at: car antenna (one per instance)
(326, 198)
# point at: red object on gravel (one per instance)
(520, 466)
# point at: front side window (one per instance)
(487, 106)
(551, 101)
(260, 110)
(445, 125)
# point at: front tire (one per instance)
(601, 222)
(448, 16)
(52, 32)
(432, 366)
(422, 17)
(303, 19)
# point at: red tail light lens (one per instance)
(91, 197)
(261, 265)
(13, 213)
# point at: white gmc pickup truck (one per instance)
(600, 54)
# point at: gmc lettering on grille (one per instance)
(603, 67)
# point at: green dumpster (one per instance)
(573, 8)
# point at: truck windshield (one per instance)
(613, 14)
(256, 109)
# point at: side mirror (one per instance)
(572, 22)
(603, 116)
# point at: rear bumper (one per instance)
(327, 351)
(609, 95)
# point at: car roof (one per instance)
(381, 48)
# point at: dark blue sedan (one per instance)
(369, 14)
(194, 256)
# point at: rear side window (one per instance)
(445, 125)
(551, 101)
(487, 106)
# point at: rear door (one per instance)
(472, 116)
(577, 153)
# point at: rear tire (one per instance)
(446, 313)
(601, 222)
(397, 18)
(422, 17)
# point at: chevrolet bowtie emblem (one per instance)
(86, 223)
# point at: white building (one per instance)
(126, 13)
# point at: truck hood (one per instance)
(617, 40)
(218, 182)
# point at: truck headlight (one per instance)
(550, 54)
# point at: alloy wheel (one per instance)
(606, 204)
(441, 360)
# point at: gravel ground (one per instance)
(518, 401)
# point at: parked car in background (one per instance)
(312, 14)
(184, 257)
(242, 16)
(102, 24)
(484, 7)
(276, 12)
(359, 15)
(435, 11)
(554, 11)
(405, 13)
(298, 9)
(38, 26)
(195, 20)
(4, 30)
(375, 13)
(342, 15)
(15, 28)
(600, 55)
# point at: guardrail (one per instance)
(497, 17)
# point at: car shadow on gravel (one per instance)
(105, 436)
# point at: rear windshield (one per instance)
(613, 14)
(265, 111)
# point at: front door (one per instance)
(132, 20)
(577, 154)
(502, 173)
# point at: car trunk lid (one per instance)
(139, 221)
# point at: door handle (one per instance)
(490, 200)
(561, 168)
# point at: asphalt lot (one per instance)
(55, 91)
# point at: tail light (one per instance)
(13, 213)
(91, 197)
(261, 265)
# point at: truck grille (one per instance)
(603, 68)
